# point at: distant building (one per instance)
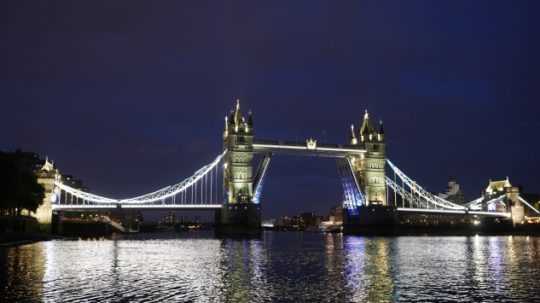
(534, 199)
(453, 192)
(169, 219)
(511, 202)
(496, 188)
(334, 222)
(309, 220)
(336, 214)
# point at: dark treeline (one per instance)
(19, 189)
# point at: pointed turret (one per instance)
(249, 126)
(47, 166)
(237, 113)
(366, 130)
(380, 134)
(226, 130)
(354, 140)
(507, 183)
(243, 125)
(231, 118)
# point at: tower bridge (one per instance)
(375, 190)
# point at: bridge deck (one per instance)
(82, 207)
(301, 148)
(454, 212)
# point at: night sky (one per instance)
(130, 96)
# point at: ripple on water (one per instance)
(284, 267)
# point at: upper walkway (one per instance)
(307, 148)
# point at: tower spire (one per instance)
(249, 121)
(354, 140)
(236, 116)
(366, 129)
(380, 134)
(226, 131)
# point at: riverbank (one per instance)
(21, 238)
(19, 230)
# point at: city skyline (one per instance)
(127, 110)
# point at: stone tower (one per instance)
(46, 176)
(370, 167)
(517, 210)
(238, 168)
(239, 213)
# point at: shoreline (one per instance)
(22, 238)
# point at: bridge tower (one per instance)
(517, 210)
(369, 170)
(239, 212)
(46, 176)
(373, 173)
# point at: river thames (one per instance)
(278, 267)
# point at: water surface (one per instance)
(279, 267)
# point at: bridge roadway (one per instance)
(95, 207)
(89, 207)
(302, 148)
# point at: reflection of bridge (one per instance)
(229, 185)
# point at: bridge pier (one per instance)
(239, 219)
(371, 219)
(55, 226)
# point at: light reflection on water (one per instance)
(284, 267)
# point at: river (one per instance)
(278, 267)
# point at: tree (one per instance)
(537, 205)
(20, 189)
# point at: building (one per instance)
(511, 202)
(47, 175)
(336, 215)
(453, 192)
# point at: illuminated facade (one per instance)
(239, 213)
(238, 168)
(47, 175)
(370, 167)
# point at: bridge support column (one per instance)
(370, 220)
(517, 209)
(239, 218)
(239, 213)
(56, 223)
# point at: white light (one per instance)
(164, 193)
(476, 222)
(299, 147)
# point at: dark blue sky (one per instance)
(130, 95)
